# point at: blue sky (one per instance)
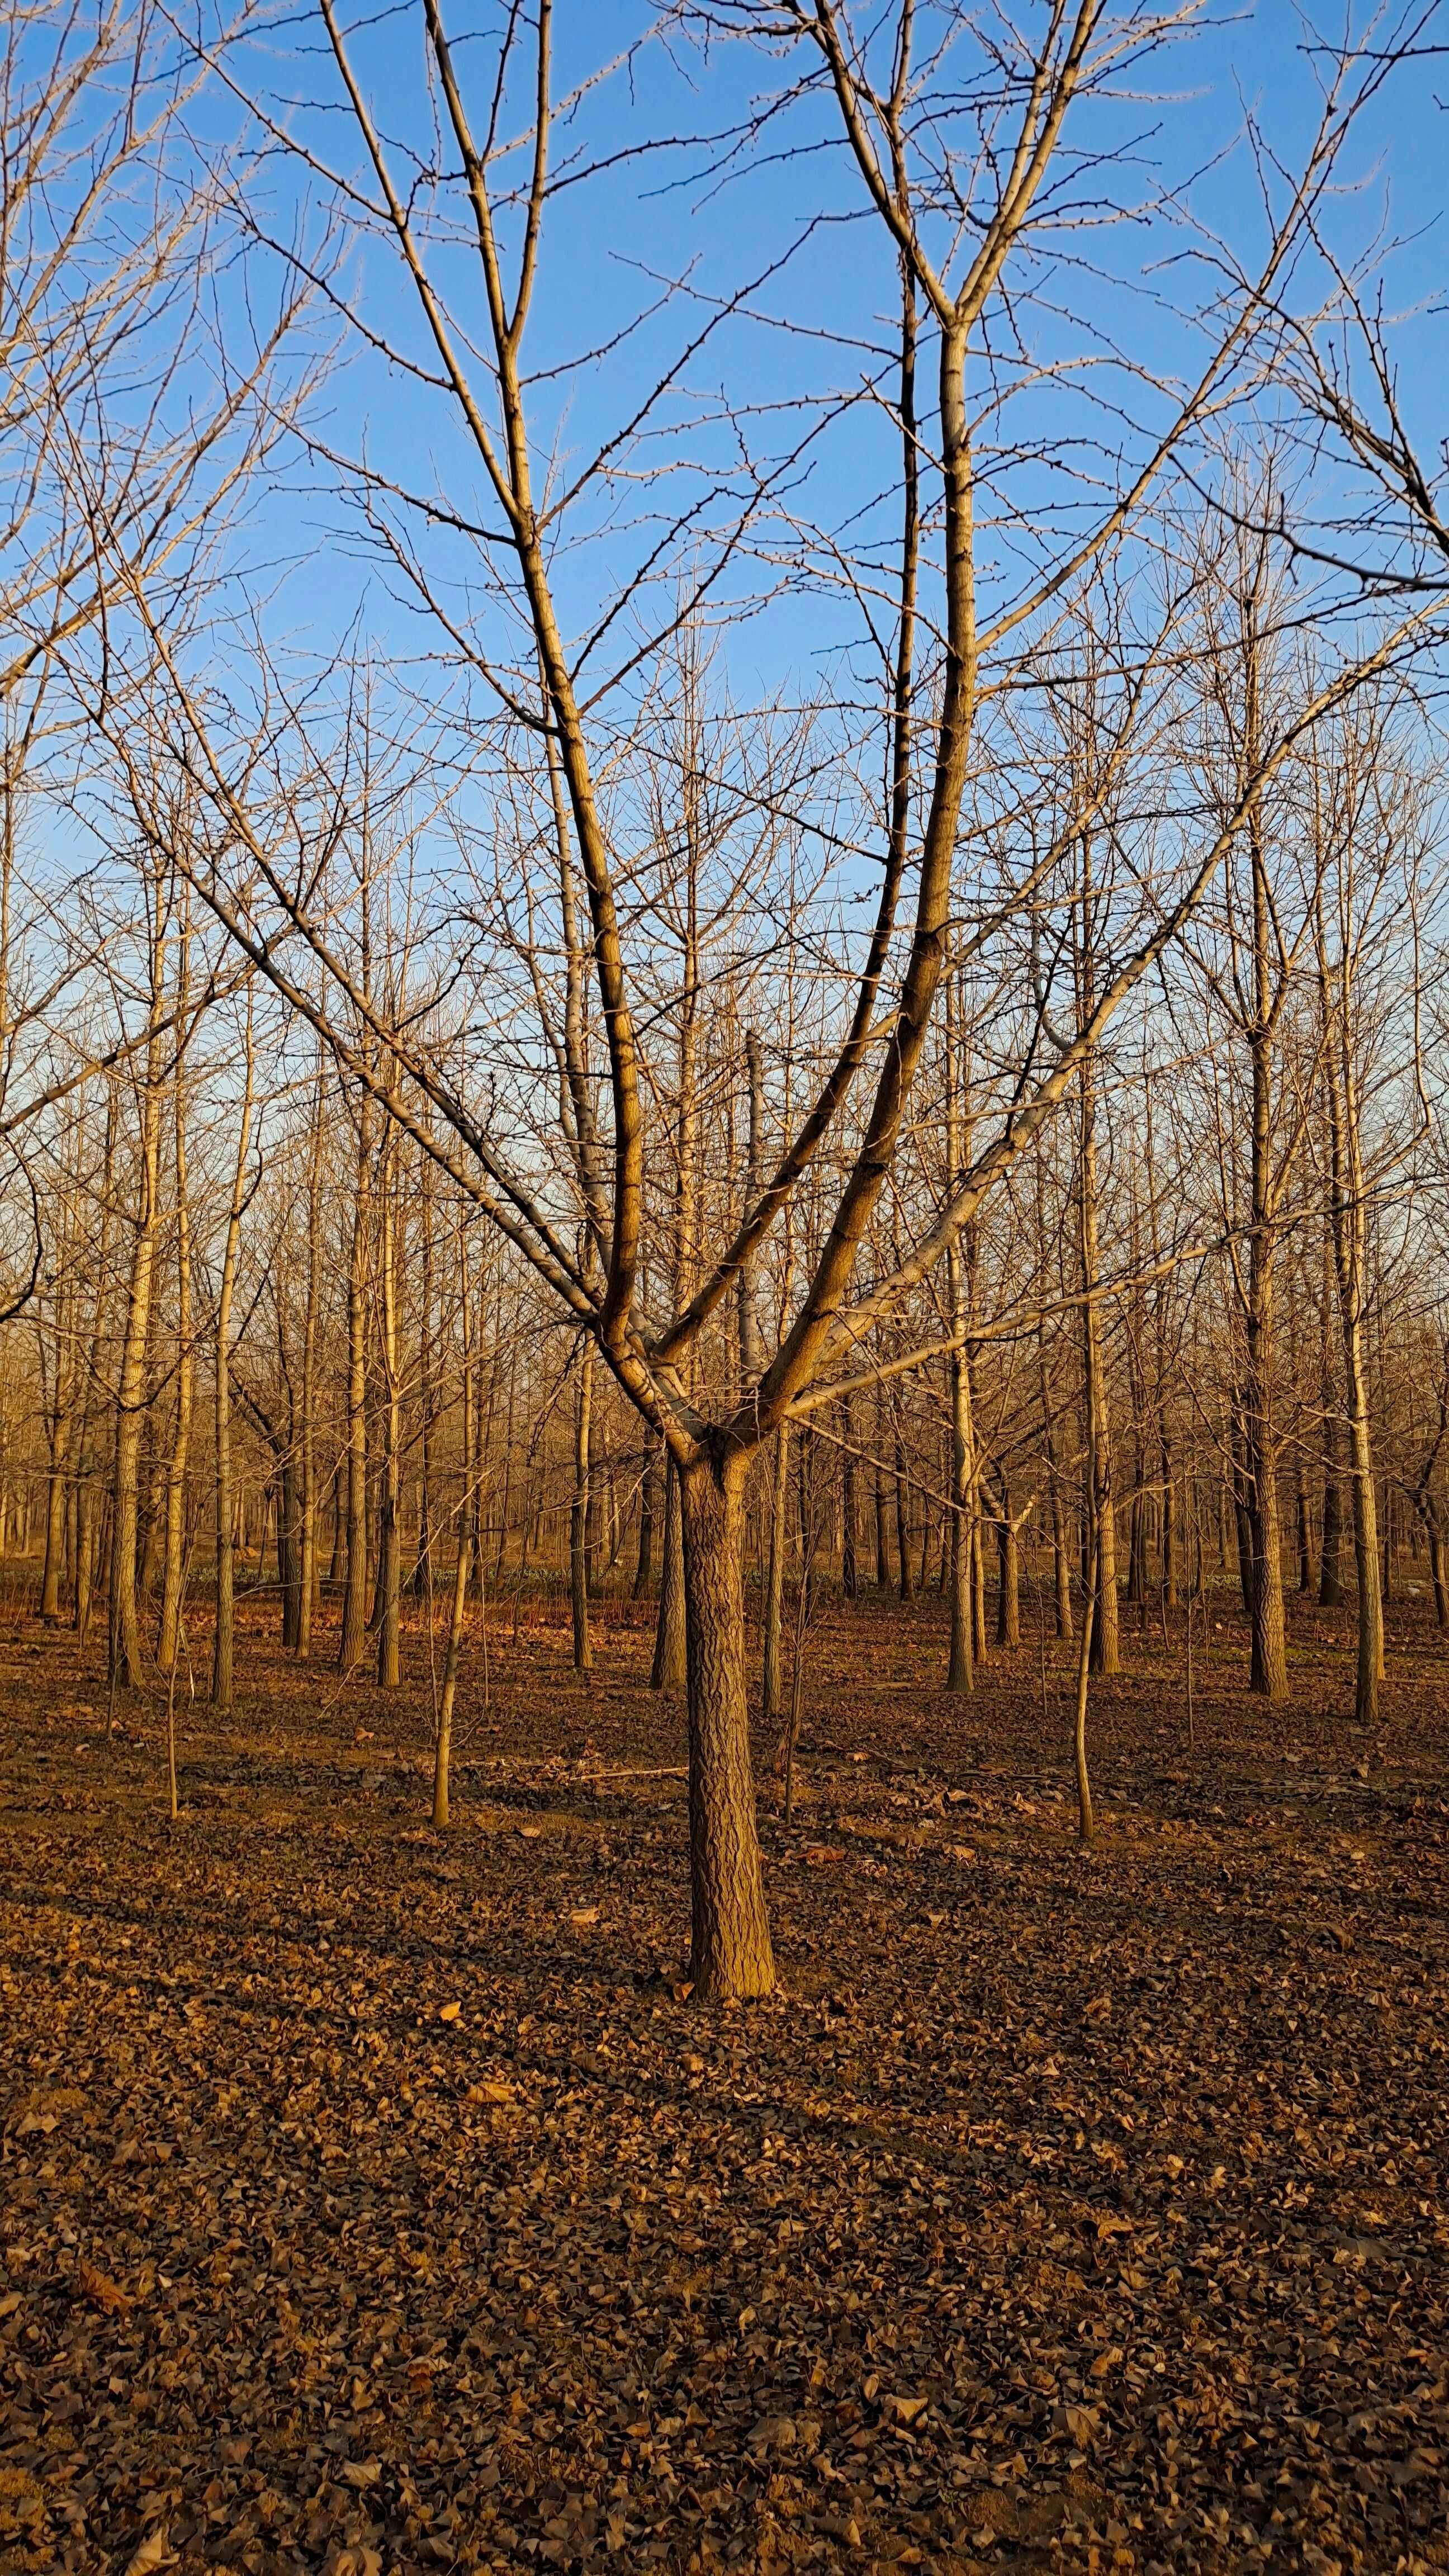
(613, 247)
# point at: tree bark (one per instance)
(579, 1513)
(731, 1952)
(389, 1536)
(849, 1513)
(125, 1623)
(670, 1667)
(223, 1643)
(1101, 1515)
(354, 1598)
(770, 1680)
(173, 1575)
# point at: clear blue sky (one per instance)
(611, 246)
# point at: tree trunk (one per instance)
(173, 1576)
(644, 1563)
(669, 1672)
(1169, 1523)
(289, 1552)
(125, 1624)
(849, 1515)
(389, 1536)
(223, 1641)
(354, 1599)
(903, 1525)
(56, 1489)
(443, 1747)
(1008, 1598)
(579, 1513)
(1365, 1526)
(731, 1949)
(307, 1498)
(1437, 1575)
(1330, 1562)
(1305, 1543)
(1101, 1517)
(770, 1682)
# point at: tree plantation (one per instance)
(724, 1288)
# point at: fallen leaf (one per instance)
(152, 2553)
(100, 2289)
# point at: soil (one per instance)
(376, 2199)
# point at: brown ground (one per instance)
(1071, 2212)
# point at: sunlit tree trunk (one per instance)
(223, 1644)
(354, 1598)
(579, 1512)
(771, 1686)
(731, 1951)
(389, 1536)
(173, 1576)
(131, 1390)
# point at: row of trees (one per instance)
(995, 1084)
(1253, 1366)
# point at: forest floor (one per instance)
(373, 2199)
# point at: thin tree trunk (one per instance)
(125, 1624)
(670, 1667)
(1101, 1509)
(1008, 1598)
(443, 1747)
(771, 1675)
(223, 1644)
(354, 1599)
(307, 1501)
(903, 1525)
(174, 1570)
(389, 1548)
(1349, 1256)
(644, 1562)
(849, 1513)
(579, 1512)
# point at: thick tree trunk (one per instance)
(731, 1951)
